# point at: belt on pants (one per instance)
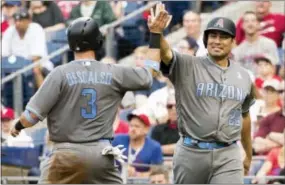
(187, 141)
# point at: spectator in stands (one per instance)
(48, 15)
(140, 55)
(101, 11)
(192, 26)
(156, 104)
(108, 60)
(269, 103)
(188, 46)
(254, 44)
(66, 7)
(27, 39)
(167, 134)
(7, 119)
(159, 175)
(134, 29)
(271, 97)
(268, 126)
(282, 72)
(158, 80)
(273, 165)
(9, 8)
(118, 8)
(271, 25)
(120, 126)
(265, 70)
(140, 149)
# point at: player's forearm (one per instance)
(28, 119)
(168, 149)
(246, 136)
(165, 51)
(153, 53)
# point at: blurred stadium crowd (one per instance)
(146, 120)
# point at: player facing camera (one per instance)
(219, 38)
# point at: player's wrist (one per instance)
(154, 41)
(19, 126)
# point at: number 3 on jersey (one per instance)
(91, 114)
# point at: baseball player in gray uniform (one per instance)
(213, 95)
(80, 100)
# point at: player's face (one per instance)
(250, 24)
(137, 129)
(172, 112)
(192, 24)
(219, 44)
(158, 179)
(264, 68)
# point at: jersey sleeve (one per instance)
(46, 96)
(249, 100)
(132, 78)
(179, 67)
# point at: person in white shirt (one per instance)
(26, 39)
(192, 26)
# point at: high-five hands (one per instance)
(158, 20)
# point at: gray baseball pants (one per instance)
(80, 164)
(203, 166)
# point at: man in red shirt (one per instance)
(269, 126)
(271, 25)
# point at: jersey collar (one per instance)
(209, 59)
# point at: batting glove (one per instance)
(117, 152)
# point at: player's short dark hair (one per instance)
(159, 170)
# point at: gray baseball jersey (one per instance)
(210, 99)
(80, 99)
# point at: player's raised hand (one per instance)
(158, 20)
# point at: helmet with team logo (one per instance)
(83, 34)
(220, 24)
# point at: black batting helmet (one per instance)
(83, 34)
(221, 24)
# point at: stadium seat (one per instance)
(21, 157)
(11, 65)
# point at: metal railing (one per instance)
(109, 29)
(6, 179)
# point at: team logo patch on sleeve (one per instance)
(220, 23)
